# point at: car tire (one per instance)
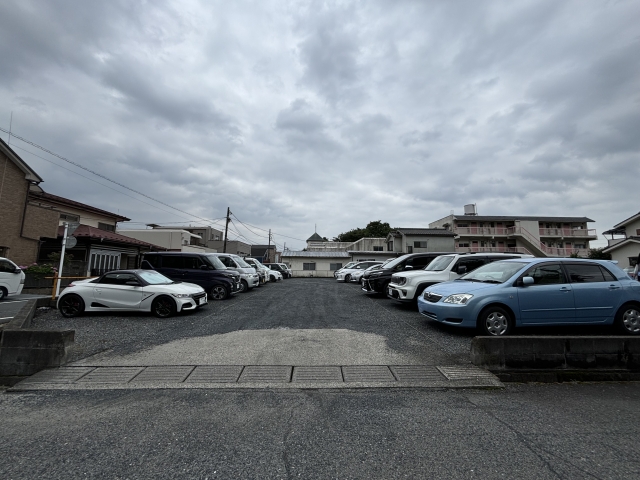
(71, 305)
(628, 319)
(163, 307)
(495, 322)
(3, 293)
(244, 286)
(347, 278)
(218, 292)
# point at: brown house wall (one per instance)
(13, 194)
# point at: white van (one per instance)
(405, 287)
(11, 278)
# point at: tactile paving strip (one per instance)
(367, 373)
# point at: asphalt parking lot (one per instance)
(10, 306)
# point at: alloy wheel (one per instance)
(496, 323)
(631, 320)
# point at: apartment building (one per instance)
(541, 236)
(626, 248)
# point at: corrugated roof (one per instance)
(435, 232)
(290, 253)
(498, 218)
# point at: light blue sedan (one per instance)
(500, 296)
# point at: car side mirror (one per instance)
(408, 267)
(133, 283)
(17, 270)
(204, 267)
(528, 281)
(462, 269)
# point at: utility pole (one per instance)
(269, 247)
(64, 247)
(226, 231)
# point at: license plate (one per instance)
(202, 301)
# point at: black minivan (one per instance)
(199, 268)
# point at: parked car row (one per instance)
(496, 293)
(167, 283)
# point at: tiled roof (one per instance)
(290, 253)
(48, 197)
(84, 231)
(315, 238)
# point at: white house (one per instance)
(626, 249)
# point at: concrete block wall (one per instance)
(556, 353)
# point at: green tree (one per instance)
(373, 229)
(598, 254)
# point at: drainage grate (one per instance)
(215, 374)
(416, 373)
(317, 374)
(163, 374)
(266, 374)
(367, 373)
(111, 375)
(59, 375)
(465, 372)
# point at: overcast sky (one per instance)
(329, 113)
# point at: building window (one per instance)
(463, 244)
(106, 227)
(378, 249)
(422, 244)
(67, 217)
(309, 266)
(334, 266)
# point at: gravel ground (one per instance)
(294, 303)
(302, 303)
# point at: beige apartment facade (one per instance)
(540, 236)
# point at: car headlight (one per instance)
(181, 295)
(458, 298)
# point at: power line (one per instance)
(99, 174)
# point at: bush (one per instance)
(44, 270)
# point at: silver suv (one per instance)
(406, 287)
(248, 276)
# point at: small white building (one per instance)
(625, 250)
(315, 264)
(172, 239)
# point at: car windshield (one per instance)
(349, 265)
(215, 261)
(439, 264)
(154, 278)
(395, 261)
(241, 263)
(496, 272)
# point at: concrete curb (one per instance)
(559, 359)
(25, 351)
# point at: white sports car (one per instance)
(132, 290)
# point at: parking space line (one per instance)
(14, 301)
(6, 318)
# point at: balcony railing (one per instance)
(482, 231)
(567, 232)
(493, 250)
(566, 252)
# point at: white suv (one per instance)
(406, 287)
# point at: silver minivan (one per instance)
(248, 276)
(11, 278)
